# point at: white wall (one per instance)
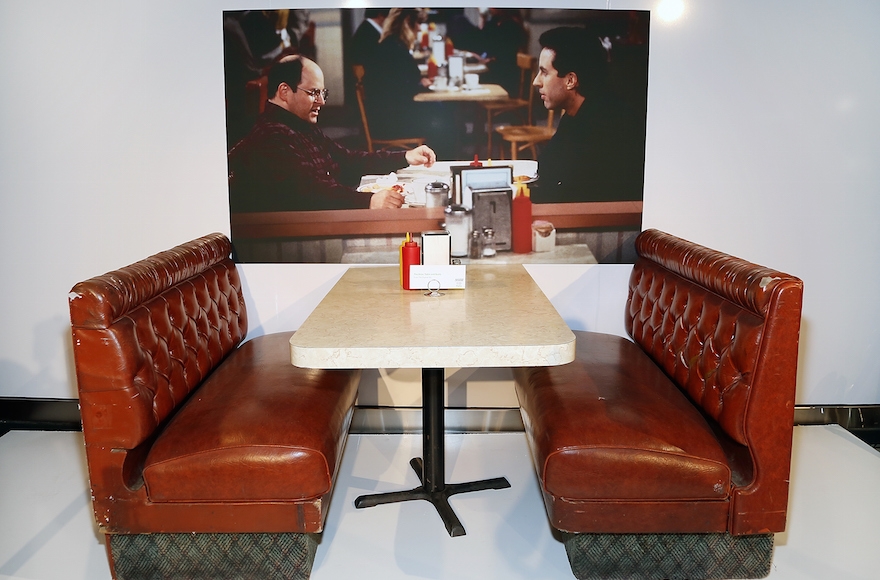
(763, 135)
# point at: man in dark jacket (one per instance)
(598, 151)
(287, 163)
(366, 37)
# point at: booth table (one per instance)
(501, 319)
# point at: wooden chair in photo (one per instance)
(405, 143)
(526, 64)
(256, 94)
(522, 137)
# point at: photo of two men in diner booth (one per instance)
(336, 171)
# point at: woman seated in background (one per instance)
(392, 78)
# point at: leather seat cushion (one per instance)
(258, 429)
(612, 426)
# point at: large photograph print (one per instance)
(350, 129)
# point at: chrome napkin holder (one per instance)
(488, 192)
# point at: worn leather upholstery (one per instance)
(687, 427)
(259, 429)
(187, 429)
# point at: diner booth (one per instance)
(482, 383)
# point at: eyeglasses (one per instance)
(313, 93)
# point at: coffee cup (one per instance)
(440, 82)
(472, 80)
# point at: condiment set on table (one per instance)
(445, 66)
(485, 212)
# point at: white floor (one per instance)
(48, 534)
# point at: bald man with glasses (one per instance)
(286, 163)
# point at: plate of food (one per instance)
(443, 88)
(376, 186)
(374, 183)
(524, 170)
(525, 178)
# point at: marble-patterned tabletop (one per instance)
(500, 319)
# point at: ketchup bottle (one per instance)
(432, 68)
(521, 221)
(410, 254)
(449, 49)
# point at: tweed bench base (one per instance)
(668, 556)
(281, 556)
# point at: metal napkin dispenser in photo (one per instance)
(467, 178)
(488, 192)
(492, 210)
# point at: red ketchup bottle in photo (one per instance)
(521, 221)
(410, 254)
(432, 68)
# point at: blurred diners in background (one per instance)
(489, 38)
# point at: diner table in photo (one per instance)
(469, 68)
(487, 92)
(500, 319)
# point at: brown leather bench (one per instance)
(668, 456)
(207, 458)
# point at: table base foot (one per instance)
(440, 497)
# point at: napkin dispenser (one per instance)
(487, 191)
(467, 179)
(436, 247)
(492, 210)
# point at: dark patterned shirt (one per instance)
(286, 163)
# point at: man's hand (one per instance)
(421, 155)
(386, 199)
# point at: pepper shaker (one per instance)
(476, 249)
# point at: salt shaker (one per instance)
(488, 243)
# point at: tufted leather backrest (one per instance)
(145, 335)
(718, 326)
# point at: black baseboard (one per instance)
(41, 414)
(38, 414)
(862, 421)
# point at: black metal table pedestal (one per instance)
(431, 471)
